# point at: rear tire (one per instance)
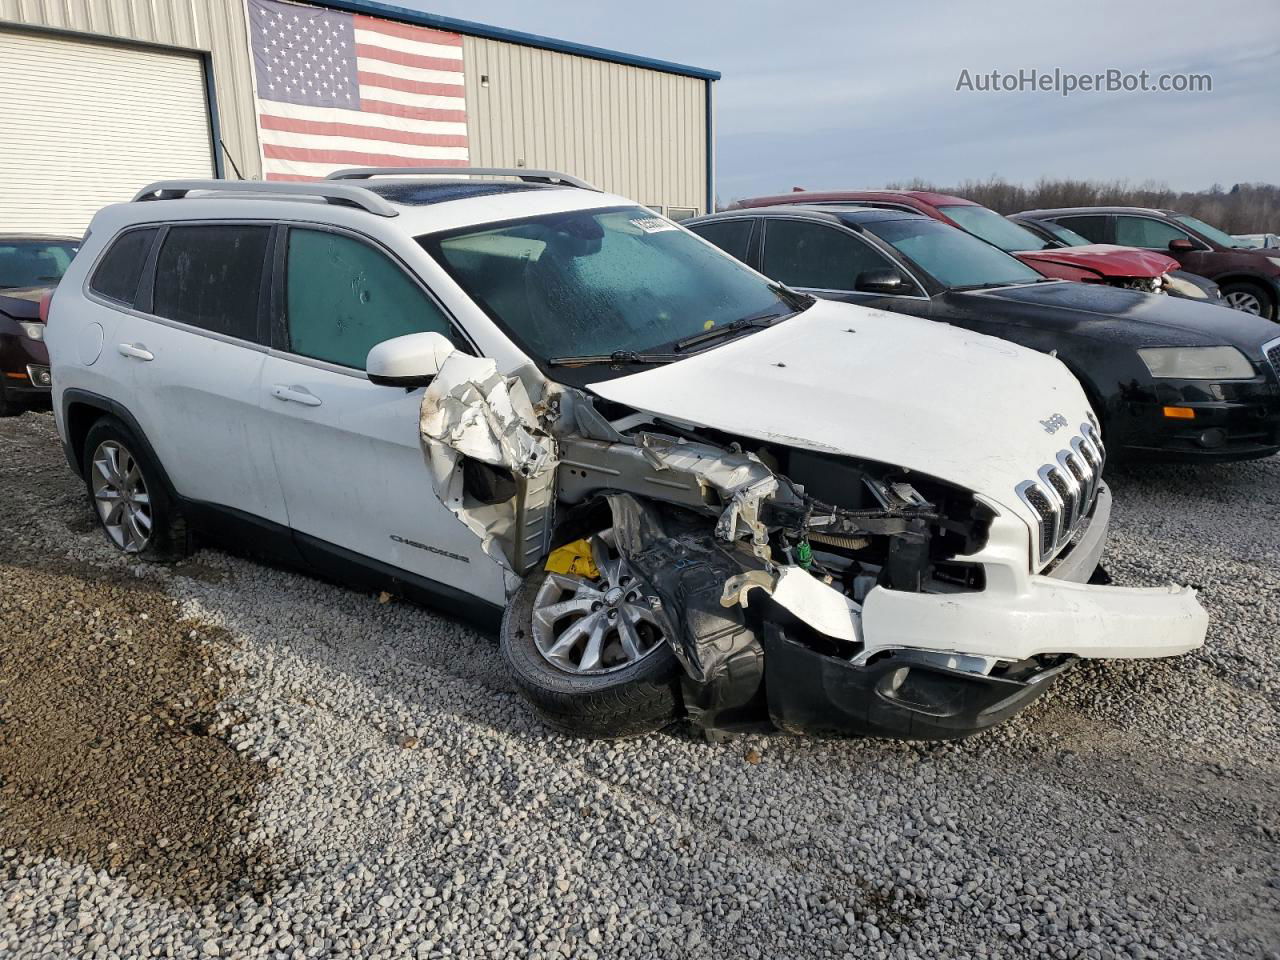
(627, 702)
(128, 496)
(1249, 298)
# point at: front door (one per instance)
(348, 451)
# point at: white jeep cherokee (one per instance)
(695, 492)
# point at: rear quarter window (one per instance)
(118, 274)
(731, 236)
(210, 277)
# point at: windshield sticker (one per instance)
(652, 224)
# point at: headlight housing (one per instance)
(34, 331)
(1197, 363)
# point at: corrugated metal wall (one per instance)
(217, 26)
(628, 130)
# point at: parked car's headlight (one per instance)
(1197, 363)
(34, 331)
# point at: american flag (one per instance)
(340, 90)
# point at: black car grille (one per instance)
(1063, 493)
(1273, 354)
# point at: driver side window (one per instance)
(813, 255)
(343, 297)
(1145, 232)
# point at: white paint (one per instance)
(846, 379)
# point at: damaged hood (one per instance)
(1105, 259)
(975, 411)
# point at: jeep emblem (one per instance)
(1054, 423)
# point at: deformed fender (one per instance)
(471, 412)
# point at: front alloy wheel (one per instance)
(121, 497)
(593, 626)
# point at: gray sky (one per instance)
(861, 94)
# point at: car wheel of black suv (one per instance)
(7, 407)
(587, 651)
(1249, 298)
(128, 495)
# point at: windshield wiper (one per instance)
(616, 359)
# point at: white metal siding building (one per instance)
(99, 97)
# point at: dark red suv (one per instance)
(1249, 276)
(1116, 266)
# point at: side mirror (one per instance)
(885, 280)
(1181, 245)
(409, 361)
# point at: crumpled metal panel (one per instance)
(471, 412)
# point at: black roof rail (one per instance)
(529, 176)
(339, 193)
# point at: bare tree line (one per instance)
(1244, 208)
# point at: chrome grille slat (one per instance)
(1063, 493)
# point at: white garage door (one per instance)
(84, 124)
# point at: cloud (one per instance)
(860, 94)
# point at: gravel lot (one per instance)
(221, 759)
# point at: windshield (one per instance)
(993, 228)
(952, 257)
(1213, 233)
(1062, 234)
(597, 282)
(34, 263)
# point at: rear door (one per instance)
(195, 346)
(347, 451)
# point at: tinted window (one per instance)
(210, 277)
(1093, 228)
(343, 298)
(118, 274)
(598, 281)
(33, 263)
(1145, 232)
(731, 236)
(954, 258)
(813, 255)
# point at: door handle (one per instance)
(135, 350)
(295, 395)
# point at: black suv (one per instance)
(1249, 277)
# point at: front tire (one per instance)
(128, 495)
(1249, 298)
(575, 689)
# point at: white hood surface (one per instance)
(849, 380)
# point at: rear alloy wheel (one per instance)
(120, 496)
(589, 653)
(128, 495)
(1247, 298)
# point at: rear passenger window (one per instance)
(1092, 228)
(211, 277)
(343, 298)
(118, 274)
(731, 236)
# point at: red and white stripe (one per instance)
(412, 109)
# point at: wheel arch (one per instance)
(81, 409)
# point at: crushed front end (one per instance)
(805, 589)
